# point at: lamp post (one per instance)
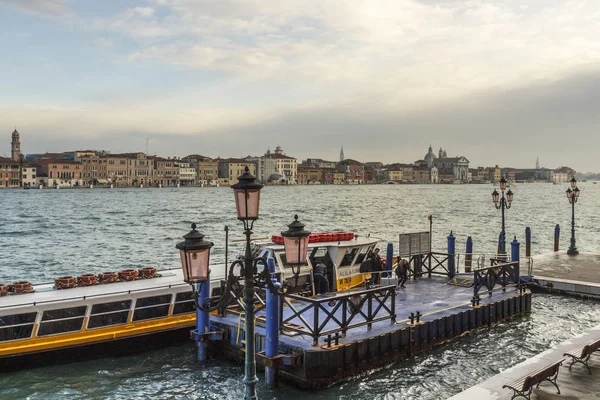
(502, 203)
(195, 263)
(573, 195)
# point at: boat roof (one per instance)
(356, 242)
(46, 293)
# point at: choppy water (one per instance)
(48, 233)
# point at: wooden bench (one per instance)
(523, 386)
(583, 353)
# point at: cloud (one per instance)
(40, 7)
(104, 42)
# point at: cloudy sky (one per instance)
(500, 82)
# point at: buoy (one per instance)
(108, 277)
(147, 272)
(65, 282)
(87, 280)
(128, 274)
(3, 290)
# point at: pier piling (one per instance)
(469, 255)
(556, 237)
(272, 339)
(528, 242)
(202, 320)
(451, 255)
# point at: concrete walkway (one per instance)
(574, 384)
(579, 274)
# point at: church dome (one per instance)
(429, 157)
(15, 133)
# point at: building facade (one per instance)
(60, 173)
(231, 168)
(9, 173)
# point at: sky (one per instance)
(499, 82)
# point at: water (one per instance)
(49, 233)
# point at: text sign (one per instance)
(414, 243)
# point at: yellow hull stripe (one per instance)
(85, 337)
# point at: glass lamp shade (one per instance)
(495, 196)
(576, 192)
(509, 196)
(195, 265)
(296, 249)
(503, 184)
(573, 183)
(194, 252)
(247, 203)
(247, 196)
(569, 193)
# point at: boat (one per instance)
(113, 314)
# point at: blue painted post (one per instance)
(272, 347)
(499, 245)
(556, 236)
(528, 242)
(469, 255)
(202, 320)
(451, 253)
(515, 256)
(389, 259)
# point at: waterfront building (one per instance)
(230, 168)
(429, 157)
(207, 169)
(15, 146)
(187, 173)
(339, 178)
(421, 175)
(9, 173)
(29, 175)
(139, 169)
(117, 169)
(370, 175)
(562, 174)
(446, 175)
(374, 164)
(319, 163)
(287, 166)
(266, 167)
(60, 173)
(495, 173)
(509, 174)
(353, 171)
(433, 175)
(328, 176)
(394, 175)
(458, 165)
(310, 175)
(95, 169)
(164, 171)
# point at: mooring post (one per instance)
(528, 242)
(202, 319)
(272, 338)
(469, 255)
(515, 257)
(556, 236)
(499, 245)
(451, 253)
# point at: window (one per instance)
(184, 303)
(16, 326)
(62, 320)
(152, 307)
(107, 314)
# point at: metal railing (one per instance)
(337, 314)
(506, 274)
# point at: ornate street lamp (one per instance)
(573, 195)
(503, 202)
(195, 253)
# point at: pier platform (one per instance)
(574, 275)
(576, 383)
(327, 339)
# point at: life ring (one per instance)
(21, 287)
(147, 272)
(65, 282)
(3, 290)
(128, 274)
(108, 277)
(87, 280)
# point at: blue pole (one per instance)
(389, 259)
(515, 256)
(528, 242)
(451, 253)
(469, 255)
(202, 320)
(556, 237)
(272, 347)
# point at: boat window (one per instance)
(152, 307)
(152, 301)
(184, 303)
(348, 257)
(106, 314)
(62, 313)
(60, 326)
(110, 307)
(363, 252)
(16, 326)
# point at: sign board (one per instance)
(414, 243)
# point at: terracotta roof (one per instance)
(4, 160)
(56, 161)
(273, 155)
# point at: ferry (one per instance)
(112, 314)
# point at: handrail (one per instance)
(497, 274)
(351, 310)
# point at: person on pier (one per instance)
(320, 275)
(402, 273)
(376, 268)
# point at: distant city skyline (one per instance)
(499, 83)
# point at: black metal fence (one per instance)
(499, 274)
(334, 315)
(431, 263)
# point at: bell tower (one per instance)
(15, 146)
